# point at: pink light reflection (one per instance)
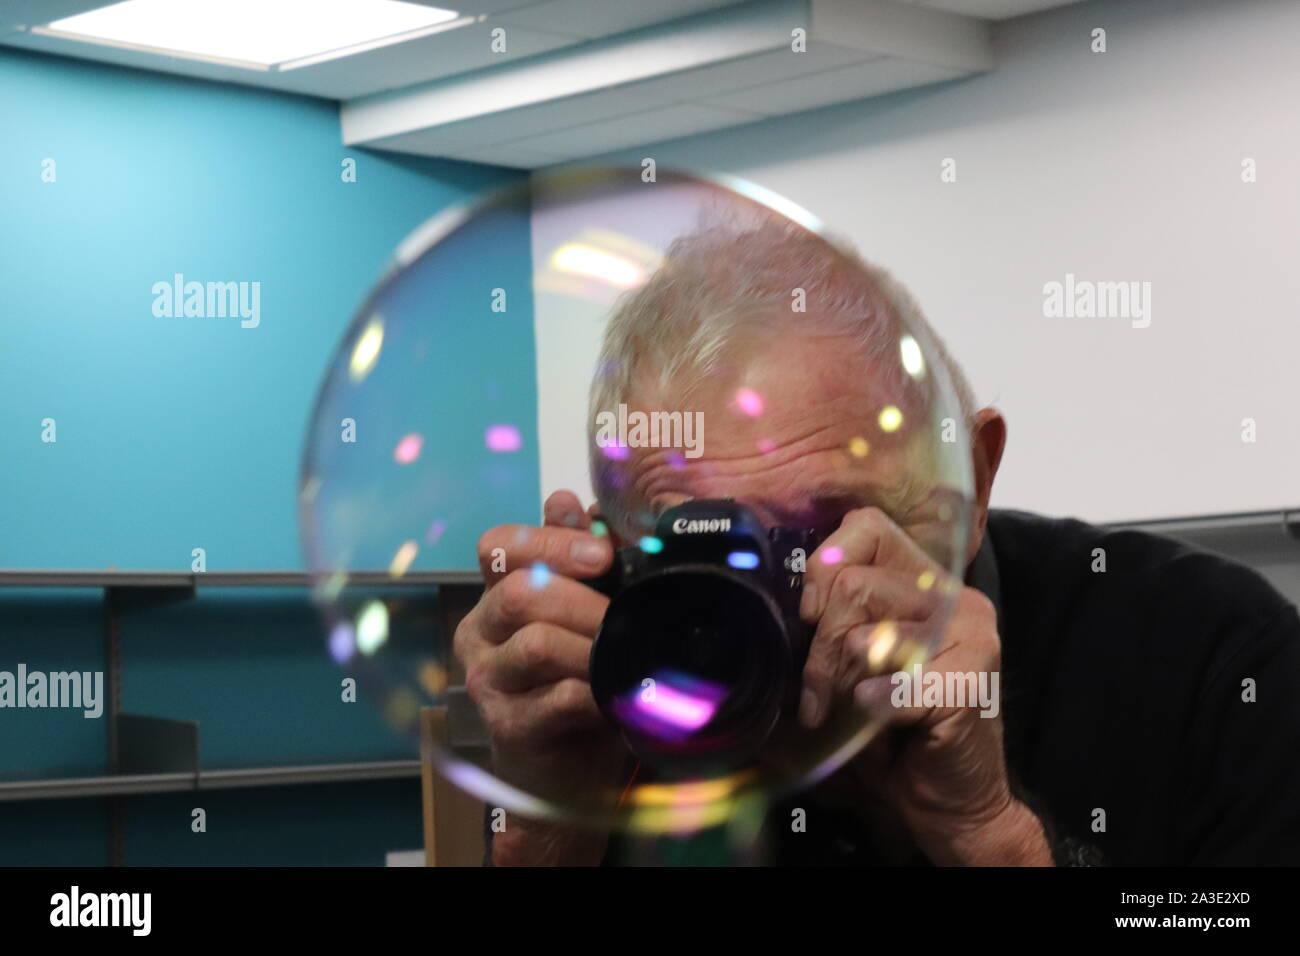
(408, 449)
(670, 713)
(615, 452)
(680, 710)
(504, 438)
(750, 402)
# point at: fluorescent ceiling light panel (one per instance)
(262, 34)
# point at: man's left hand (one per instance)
(871, 590)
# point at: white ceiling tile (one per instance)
(477, 7)
(416, 61)
(587, 68)
(511, 156)
(994, 9)
(742, 72)
(599, 18)
(550, 116)
(611, 103)
(650, 126)
(430, 143)
(882, 75)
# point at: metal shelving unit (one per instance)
(129, 785)
(148, 755)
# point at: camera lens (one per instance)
(692, 663)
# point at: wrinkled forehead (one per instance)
(801, 426)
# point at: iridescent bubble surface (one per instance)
(719, 346)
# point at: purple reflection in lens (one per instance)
(673, 708)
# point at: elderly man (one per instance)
(1150, 714)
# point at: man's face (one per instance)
(793, 428)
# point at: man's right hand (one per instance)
(525, 648)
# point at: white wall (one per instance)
(1117, 166)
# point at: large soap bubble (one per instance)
(750, 383)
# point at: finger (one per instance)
(842, 661)
(899, 697)
(600, 525)
(862, 594)
(565, 551)
(890, 696)
(544, 713)
(865, 536)
(535, 655)
(859, 594)
(520, 599)
(564, 510)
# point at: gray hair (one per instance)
(719, 281)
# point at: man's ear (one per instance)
(988, 440)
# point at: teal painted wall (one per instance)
(177, 433)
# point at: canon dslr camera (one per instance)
(701, 650)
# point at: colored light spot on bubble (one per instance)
(890, 418)
(433, 678)
(676, 461)
(858, 447)
(749, 402)
(650, 545)
(402, 708)
(408, 449)
(880, 649)
(372, 627)
(615, 452)
(913, 360)
(743, 560)
(766, 446)
(832, 555)
(403, 558)
(599, 529)
(503, 438)
(343, 642)
(579, 258)
(925, 580)
(911, 655)
(539, 576)
(310, 489)
(365, 353)
(332, 586)
(435, 532)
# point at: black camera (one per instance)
(701, 649)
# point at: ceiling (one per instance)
(580, 77)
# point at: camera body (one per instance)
(702, 647)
